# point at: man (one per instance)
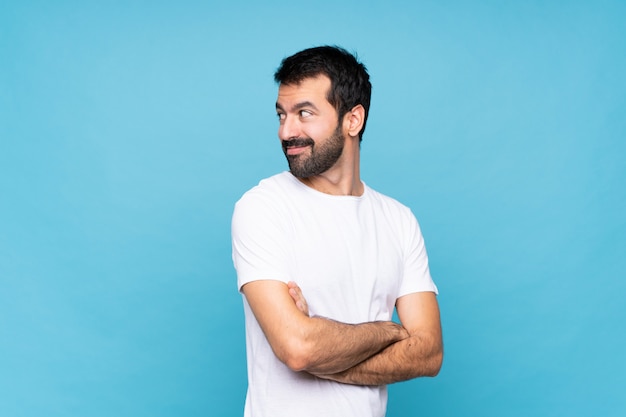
(322, 260)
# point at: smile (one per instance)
(295, 150)
(297, 145)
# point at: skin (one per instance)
(418, 355)
(317, 345)
(304, 111)
(370, 353)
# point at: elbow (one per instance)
(295, 356)
(296, 363)
(297, 349)
(435, 364)
(295, 360)
(432, 355)
(429, 359)
(435, 361)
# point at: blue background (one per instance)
(129, 129)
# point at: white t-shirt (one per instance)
(352, 256)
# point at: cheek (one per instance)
(319, 131)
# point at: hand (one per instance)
(296, 293)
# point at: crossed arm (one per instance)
(370, 353)
(314, 344)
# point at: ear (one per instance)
(354, 120)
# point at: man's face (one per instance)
(311, 136)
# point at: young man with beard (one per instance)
(322, 260)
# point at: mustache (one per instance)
(296, 142)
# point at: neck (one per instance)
(343, 178)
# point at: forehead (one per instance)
(314, 89)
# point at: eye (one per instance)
(305, 113)
(281, 116)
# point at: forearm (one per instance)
(329, 346)
(418, 355)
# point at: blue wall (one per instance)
(128, 130)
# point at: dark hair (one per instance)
(349, 81)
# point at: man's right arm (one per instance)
(314, 344)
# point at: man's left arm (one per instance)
(419, 355)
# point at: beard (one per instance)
(321, 158)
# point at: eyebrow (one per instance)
(298, 106)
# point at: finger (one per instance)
(303, 305)
(297, 297)
(296, 294)
(294, 290)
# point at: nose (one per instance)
(289, 128)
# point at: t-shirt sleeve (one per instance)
(260, 242)
(416, 277)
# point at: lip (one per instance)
(296, 150)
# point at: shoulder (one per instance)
(388, 204)
(267, 190)
(398, 217)
(269, 198)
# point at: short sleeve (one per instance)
(416, 277)
(260, 242)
